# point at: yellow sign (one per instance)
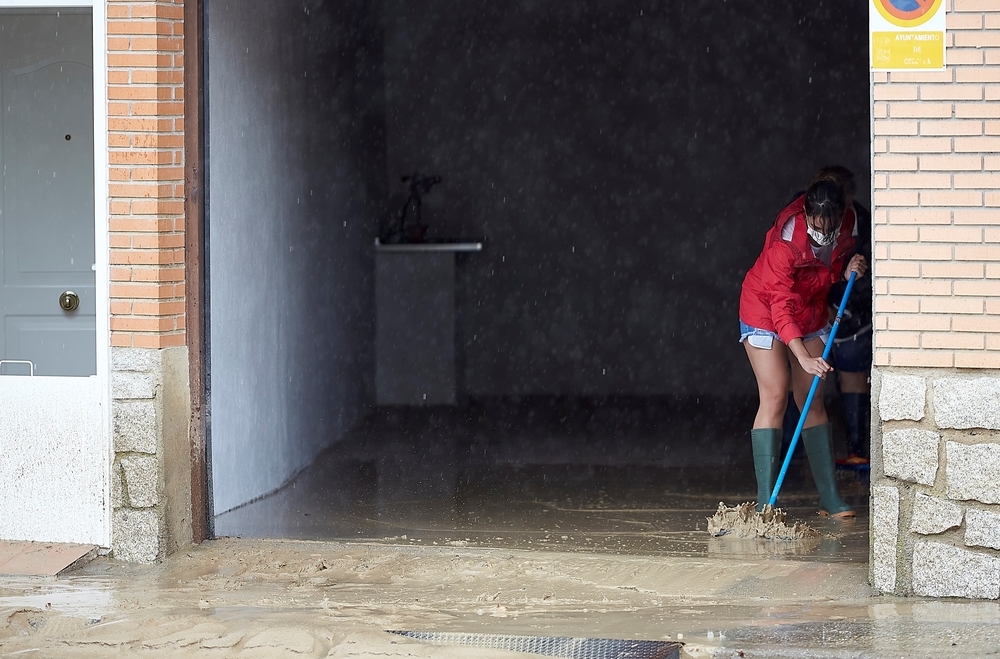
(907, 50)
(907, 34)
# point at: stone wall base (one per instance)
(151, 474)
(935, 505)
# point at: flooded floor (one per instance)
(618, 477)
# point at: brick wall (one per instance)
(935, 441)
(149, 388)
(146, 192)
(937, 202)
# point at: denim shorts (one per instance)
(763, 339)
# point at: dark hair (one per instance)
(825, 202)
(840, 174)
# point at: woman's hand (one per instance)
(857, 264)
(815, 366)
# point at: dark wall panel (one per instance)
(622, 161)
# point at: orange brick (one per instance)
(950, 163)
(964, 56)
(978, 287)
(951, 270)
(919, 252)
(892, 233)
(977, 144)
(977, 180)
(896, 92)
(919, 287)
(977, 110)
(136, 224)
(978, 74)
(885, 163)
(950, 340)
(134, 291)
(918, 323)
(951, 234)
(977, 359)
(136, 157)
(919, 216)
(977, 39)
(984, 324)
(921, 76)
(977, 252)
(881, 358)
(921, 358)
(140, 324)
(894, 305)
(897, 340)
(929, 180)
(952, 92)
(154, 241)
(121, 340)
(952, 305)
(984, 216)
(951, 198)
(121, 307)
(964, 21)
(896, 269)
(896, 127)
(920, 145)
(950, 127)
(896, 198)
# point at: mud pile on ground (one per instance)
(743, 521)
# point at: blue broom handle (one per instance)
(812, 392)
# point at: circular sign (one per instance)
(907, 13)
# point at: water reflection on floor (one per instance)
(609, 477)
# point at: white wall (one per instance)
(296, 181)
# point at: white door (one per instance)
(54, 453)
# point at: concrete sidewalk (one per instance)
(252, 598)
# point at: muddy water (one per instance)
(251, 598)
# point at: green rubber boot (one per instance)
(766, 453)
(819, 447)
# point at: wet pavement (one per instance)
(566, 525)
(252, 598)
(619, 477)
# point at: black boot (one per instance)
(857, 414)
(819, 448)
(766, 453)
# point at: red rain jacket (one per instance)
(785, 290)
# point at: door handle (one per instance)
(69, 301)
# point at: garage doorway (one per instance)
(610, 170)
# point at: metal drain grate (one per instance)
(555, 646)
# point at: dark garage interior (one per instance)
(578, 380)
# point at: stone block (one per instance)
(940, 570)
(932, 515)
(967, 403)
(911, 454)
(141, 480)
(129, 386)
(982, 529)
(902, 397)
(135, 427)
(135, 535)
(973, 472)
(885, 533)
(117, 489)
(139, 360)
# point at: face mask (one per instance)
(823, 239)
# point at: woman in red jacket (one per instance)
(784, 324)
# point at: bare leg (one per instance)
(770, 367)
(852, 382)
(802, 381)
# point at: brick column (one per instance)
(146, 224)
(936, 172)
